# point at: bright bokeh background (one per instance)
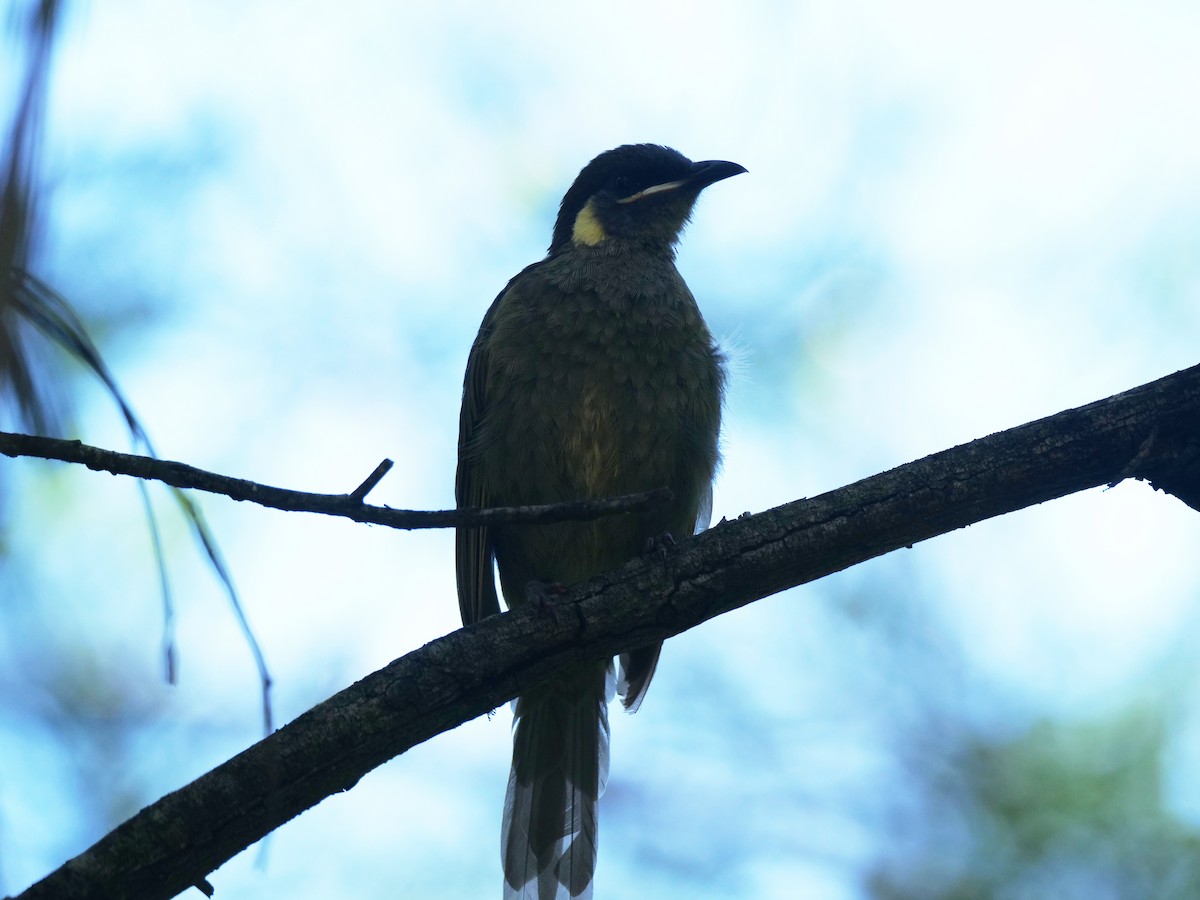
(284, 222)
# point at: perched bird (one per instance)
(593, 375)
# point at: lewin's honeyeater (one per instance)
(593, 375)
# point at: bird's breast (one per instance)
(600, 387)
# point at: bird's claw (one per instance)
(539, 593)
(664, 544)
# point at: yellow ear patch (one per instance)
(588, 229)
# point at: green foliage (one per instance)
(1064, 810)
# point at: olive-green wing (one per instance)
(473, 546)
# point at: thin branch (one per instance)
(181, 475)
(178, 841)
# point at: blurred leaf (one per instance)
(27, 301)
(1065, 810)
(19, 221)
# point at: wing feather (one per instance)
(474, 553)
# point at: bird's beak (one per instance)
(710, 171)
(704, 173)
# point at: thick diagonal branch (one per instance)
(1150, 432)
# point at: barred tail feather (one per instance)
(560, 766)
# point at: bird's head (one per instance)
(638, 193)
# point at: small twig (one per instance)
(360, 492)
(1135, 464)
(181, 475)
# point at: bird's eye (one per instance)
(622, 185)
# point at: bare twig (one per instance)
(360, 492)
(350, 506)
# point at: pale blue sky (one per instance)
(287, 220)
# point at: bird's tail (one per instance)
(560, 765)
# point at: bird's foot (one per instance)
(663, 543)
(539, 595)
